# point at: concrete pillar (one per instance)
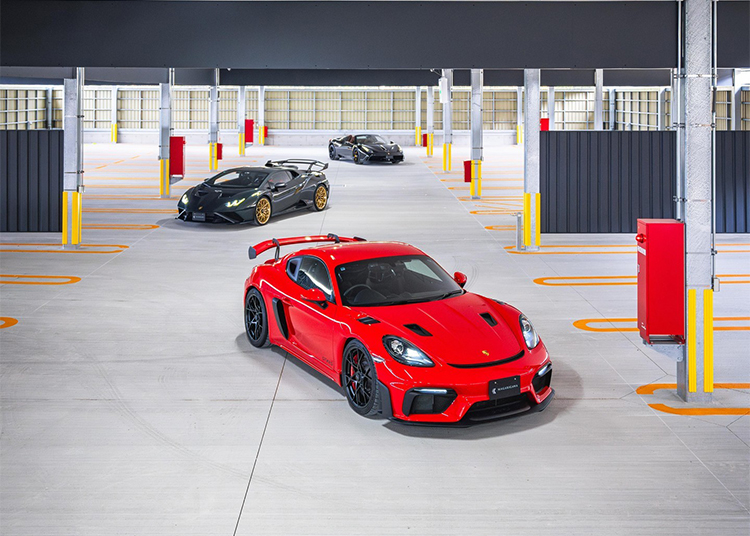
(213, 122)
(551, 106)
(612, 109)
(599, 99)
(430, 119)
(261, 115)
(695, 371)
(48, 107)
(165, 130)
(519, 116)
(448, 121)
(113, 115)
(418, 117)
(661, 109)
(531, 196)
(72, 201)
(241, 114)
(477, 82)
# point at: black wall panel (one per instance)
(733, 182)
(602, 182)
(31, 180)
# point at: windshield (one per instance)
(371, 138)
(239, 178)
(394, 281)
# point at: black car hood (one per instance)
(381, 146)
(207, 197)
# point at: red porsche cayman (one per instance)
(401, 336)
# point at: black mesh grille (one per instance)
(541, 382)
(416, 403)
(492, 409)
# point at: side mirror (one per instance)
(314, 295)
(278, 186)
(460, 278)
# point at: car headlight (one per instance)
(234, 203)
(398, 148)
(406, 353)
(184, 199)
(366, 149)
(529, 333)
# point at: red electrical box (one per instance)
(544, 124)
(661, 280)
(249, 126)
(265, 132)
(219, 151)
(424, 140)
(177, 155)
(467, 170)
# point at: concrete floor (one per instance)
(133, 404)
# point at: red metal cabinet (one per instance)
(249, 126)
(424, 140)
(544, 124)
(219, 151)
(661, 280)
(177, 155)
(467, 170)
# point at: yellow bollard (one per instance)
(164, 186)
(418, 136)
(476, 179)
(519, 134)
(242, 144)
(113, 130)
(708, 340)
(72, 209)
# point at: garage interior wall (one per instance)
(342, 109)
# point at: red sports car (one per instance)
(401, 336)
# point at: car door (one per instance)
(283, 197)
(346, 148)
(312, 324)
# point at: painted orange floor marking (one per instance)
(650, 388)
(583, 324)
(7, 322)
(131, 210)
(120, 226)
(56, 279)
(500, 227)
(117, 248)
(593, 280)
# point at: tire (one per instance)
(360, 380)
(356, 156)
(263, 211)
(332, 153)
(320, 198)
(256, 319)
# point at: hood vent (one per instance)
(419, 330)
(489, 319)
(368, 320)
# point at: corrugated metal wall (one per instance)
(733, 182)
(31, 179)
(602, 182)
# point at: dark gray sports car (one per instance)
(254, 194)
(365, 148)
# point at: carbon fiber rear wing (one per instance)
(318, 165)
(257, 249)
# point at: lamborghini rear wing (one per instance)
(319, 166)
(257, 249)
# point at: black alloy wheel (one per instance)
(256, 319)
(360, 380)
(356, 156)
(332, 152)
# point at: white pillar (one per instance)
(430, 119)
(519, 116)
(477, 82)
(72, 160)
(418, 116)
(551, 106)
(599, 99)
(261, 113)
(531, 196)
(165, 130)
(448, 122)
(241, 113)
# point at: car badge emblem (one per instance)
(485, 352)
(200, 208)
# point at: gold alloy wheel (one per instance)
(263, 211)
(321, 197)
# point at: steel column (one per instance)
(48, 106)
(519, 116)
(261, 115)
(72, 200)
(551, 106)
(612, 109)
(418, 117)
(430, 119)
(661, 109)
(213, 121)
(695, 371)
(477, 82)
(113, 116)
(599, 99)
(531, 196)
(165, 129)
(448, 123)
(241, 114)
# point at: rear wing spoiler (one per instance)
(257, 249)
(318, 165)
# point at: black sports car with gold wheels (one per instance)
(255, 194)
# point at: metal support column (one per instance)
(448, 121)
(736, 98)
(113, 115)
(261, 115)
(418, 117)
(165, 128)
(430, 119)
(519, 116)
(213, 122)
(49, 112)
(241, 114)
(72, 201)
(695, 371)
(612, 109)
(477, 82)
(661, 109)
(599, 99)
(531, 196)
(551, 106)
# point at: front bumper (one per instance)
(384, 157)
(214, 217)
(444, 395)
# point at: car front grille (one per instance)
(487, 410)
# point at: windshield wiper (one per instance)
(447, 294)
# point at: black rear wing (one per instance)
(318, 165)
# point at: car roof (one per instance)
(343, 253)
